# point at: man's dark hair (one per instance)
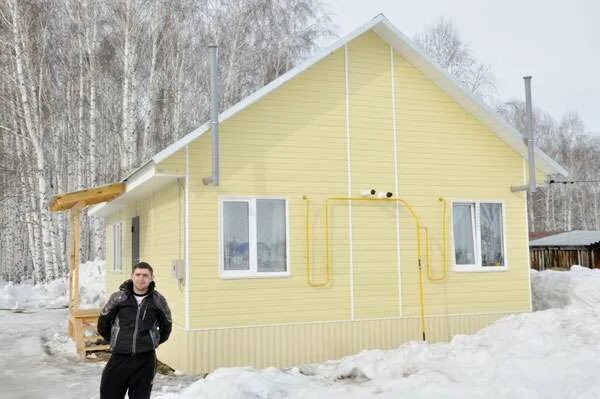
(143, 265)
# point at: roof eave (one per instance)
(484, 113)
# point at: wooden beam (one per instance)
(75, 213)
(88, 196)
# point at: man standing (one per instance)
(135, 320)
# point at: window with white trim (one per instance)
(117, 248)
(478, 232)
(253, 237)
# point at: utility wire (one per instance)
(572, 181)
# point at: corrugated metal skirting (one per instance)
(294, 344)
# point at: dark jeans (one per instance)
(128, 372)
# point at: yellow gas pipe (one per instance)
(307, 240)
(327, 263)
(444, 247)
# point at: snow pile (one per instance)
(29, 296)
(54, 294)
(547, 354)
(92, 283)
(556, 289)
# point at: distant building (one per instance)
(563, 250)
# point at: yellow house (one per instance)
(276, 265)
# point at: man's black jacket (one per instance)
(131, 328)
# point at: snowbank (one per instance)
(54, 293)
(547, 354)
(556, 289)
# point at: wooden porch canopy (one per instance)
(80, 320)
(88, 196)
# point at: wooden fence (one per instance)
(564, 257)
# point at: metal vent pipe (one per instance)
(530, 136)
(214, 116)
(529, 140)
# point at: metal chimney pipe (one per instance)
(214, 116)
(530, 137)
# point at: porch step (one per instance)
(97, 348)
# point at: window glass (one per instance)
(492, 246)
(463, 221)
(270, 235)
(236, 254)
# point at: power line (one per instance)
(572, 181)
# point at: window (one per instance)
(254, 237)
(478, 235)
(117, 251)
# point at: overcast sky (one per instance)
(555, 41)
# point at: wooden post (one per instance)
(74, 216)
(75, 202)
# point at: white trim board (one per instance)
(396, 184)
(139, 185)
(301, 323)
(349, 177)
(186, 223)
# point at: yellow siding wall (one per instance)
(293, 143)
(445, 152)
(174, 165)
(161, 241)
(274, 148)
(322, 136)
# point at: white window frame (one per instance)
(477, 267)
(117, 261)
(252, 244)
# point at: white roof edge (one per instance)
(573, 238)
(481, 110)
(485, 114)
(133, 179)
(94, 209)
(136, 170)
(274, 84)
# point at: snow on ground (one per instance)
(37, 360)
(54, 294)
(556, 289)
(547, 354)
(553, 353)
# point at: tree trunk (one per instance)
(40, 161)
(127, 135)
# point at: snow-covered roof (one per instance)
(402, 44)
(575, 238)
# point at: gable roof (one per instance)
(401, 44)
(575, 238)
